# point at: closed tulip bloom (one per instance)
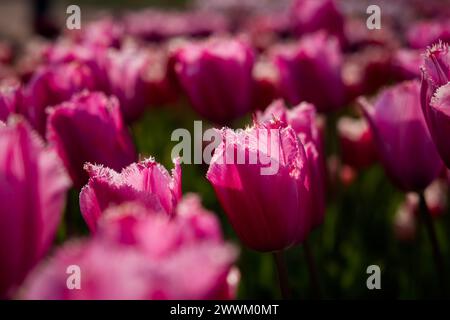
(356, 141)
(89, 128)
(402, 138)
(10, 100)
(137, 78)
(265, 84)
(304, 121)
(160, 258)
(267, 199)
(216, 75)
(435, 97)
(33, 185)
(310, 70)
(314, 15)
(147, 182)
(52, 85)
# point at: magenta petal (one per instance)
(32, 190)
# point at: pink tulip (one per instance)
(144, 255)
(425, 33)
(367, 70)
(266, 84)
(304, 121)
(268, 201)
(89, 128)
(52, 85)
(10, 100)
(138, 78)
(402, 138)
(216, 75)
(405, 64)
(356, 141)
(311, 71)
(435, 96)
(32, 192)
(147, 182)
(314, 15)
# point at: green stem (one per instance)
(313, 275)
(437, 255)
(282, 274)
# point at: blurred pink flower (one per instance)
(402, 138)
(435, 96)
(147, 182)
(89, 128)
(313, 15)
(310, 70)
(160, 257)
(10, 99)
(406, 64)
(356, 142)
(138, 78)
(32, 192)
(265, 84)
(269, 210)
(216, 75)
(53, 84)
(424, 33)
(158, 25)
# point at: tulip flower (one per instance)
(311, 71)
(137, 78)
(183, 257)
(435, 96)
(267, 200)
(404, 64)
(216, 75)
(89, 128)
(32, 192)
(10, 100)
(314, 15)
(356, 141)
(266, 87)
(52, 85)
(147, 182)
(402, 138)
(303, 120)
(425, 33)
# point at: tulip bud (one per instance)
(52, 85)
(216, 75)
(314, 15)
(356, 140)
(147, 182)
(402, 138)
(32, 191)
(89, 128)
(266, 190)
(311, 71)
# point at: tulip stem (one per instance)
(282, 274)
(313, 275)
(437, 255)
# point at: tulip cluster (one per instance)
(333, 105)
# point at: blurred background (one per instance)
(365, 223)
